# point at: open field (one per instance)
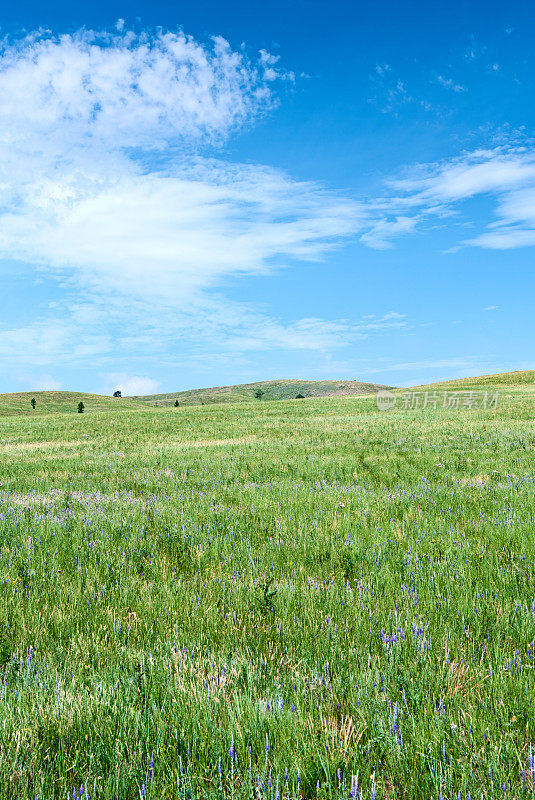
(268, 600)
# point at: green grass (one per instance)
(272, 390)
(328, 589)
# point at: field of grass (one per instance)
(306, 599)
(272, 390)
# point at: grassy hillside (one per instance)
(273, 390)
(262, 601)
(524, 379)
(59, 402)
(66, 402)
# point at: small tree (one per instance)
(259, 394)
(33, 403)
(299, 396)
(177, 404)
(117, 393)
(81, 407)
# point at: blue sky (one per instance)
(213, 193)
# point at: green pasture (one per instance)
(285, 599)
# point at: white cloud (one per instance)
(107, 186)
(379, 235)
(125, 89)
(448, 83)
(47, 341)
(130, 385)
(98, 183)
(382, 68)
(38, 383)
(392, 92)
(308, 334)
(432, 192)
(186, 228)
(480, 172)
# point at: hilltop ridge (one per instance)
(517, 379)
(272, 390)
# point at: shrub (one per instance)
(81, 407)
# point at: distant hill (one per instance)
(62, 402)
(66, 402)
(272, 390)
(521, 379)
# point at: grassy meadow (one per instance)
(284, 599)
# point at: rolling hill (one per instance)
(521, 379)
(272, 390)
(16, 403)
(59, 402)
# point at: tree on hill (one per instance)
(259, 394)
(177, 404)
(117, 393)
(33, 403)
(299, 396)
(81, 407)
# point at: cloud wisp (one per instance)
(130, 385)
(188, 227)
(429, 193)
